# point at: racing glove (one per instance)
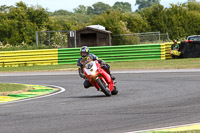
(81, 74)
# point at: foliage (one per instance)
(9, 47)
(122, 7)
(100, 7)
(61, 13)
(69, 21)
(136, 23)
(155, 16)
(180, 20)
(146, 3)
(19, 23)
(81, 9)
(113, 21)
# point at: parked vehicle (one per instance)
(194, 38)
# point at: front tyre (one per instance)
(103, 87)
(115, 91)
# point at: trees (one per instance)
(80, 9)
(122, 7)
(156, 18)
(19, 24)
(98, 8)
(136, 23)
(146, 3)
(179, 20)
(112, 21)
(60, 13)
(193, 5)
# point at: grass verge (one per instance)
(7, 88)
(158, 64)
(193, 131)
(127, 65)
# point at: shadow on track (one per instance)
(94, 96)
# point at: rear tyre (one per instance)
(115, 91)
(103, 87)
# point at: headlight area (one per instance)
(93, 73)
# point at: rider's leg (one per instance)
(107, 69)
(87, 84)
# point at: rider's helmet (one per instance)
(84, 51)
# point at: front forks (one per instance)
(104, 82)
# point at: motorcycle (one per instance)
(99, 78)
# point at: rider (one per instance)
(175, 50)
(85, 53)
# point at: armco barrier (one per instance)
(28, 58)
(113, 53)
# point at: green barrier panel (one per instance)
(42, 90)
(22, 95)
(113, 53)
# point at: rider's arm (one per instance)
(81, 74)
(94, 57)
(80, 69)
(101, 62)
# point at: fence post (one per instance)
(159, 38)
(49, 38)
(61, 39)
(36, 36)
(75, 39)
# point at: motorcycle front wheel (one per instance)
(103, 87)
(115, 91)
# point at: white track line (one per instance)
(61, 90)
(152, 130)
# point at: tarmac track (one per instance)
(145, 101)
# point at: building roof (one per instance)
(95, 29)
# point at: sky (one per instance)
(53, 5)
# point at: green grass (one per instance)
(158, 64)
(6, 88)
(39, 68)
(127, 65)
(193, 131)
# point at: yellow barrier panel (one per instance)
(165, 51)
(28, 58)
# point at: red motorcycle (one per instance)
(99, 78)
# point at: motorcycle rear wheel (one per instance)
(103, 87)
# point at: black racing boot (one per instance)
(112, 77)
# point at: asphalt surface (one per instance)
(145, 101)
